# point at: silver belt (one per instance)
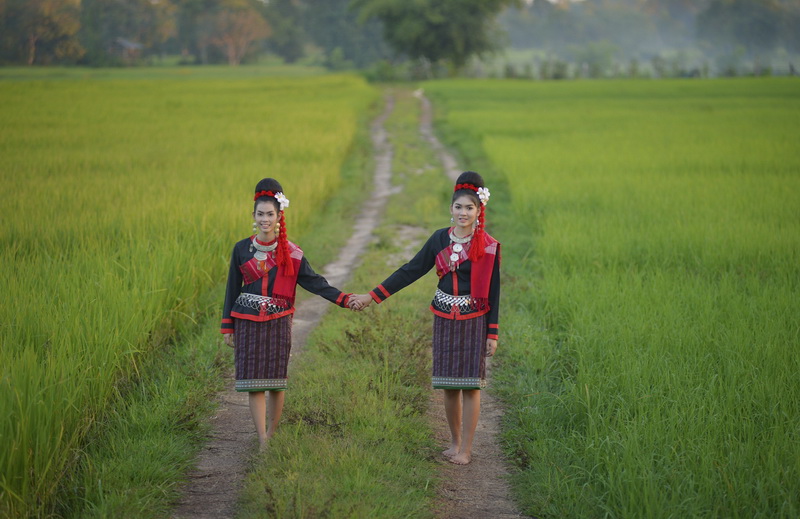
(446, 302)
(259, 303)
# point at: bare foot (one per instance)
(452, 451)
(461, 458)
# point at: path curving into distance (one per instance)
(479, 489)
(212, 490)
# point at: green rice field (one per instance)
(123, 194)
(651, 315)
(651, 270)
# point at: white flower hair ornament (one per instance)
(483, 194)
(282, 200)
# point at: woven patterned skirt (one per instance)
(459, 353)
(262, 353)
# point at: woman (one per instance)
(465, 307)
(259, 302)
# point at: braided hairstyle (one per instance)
(266, 190)
(468, 184)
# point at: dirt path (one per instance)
(213, 486)
(476, 490)
(479, 489)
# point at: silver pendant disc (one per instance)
(454, 257)
(260, 256)
(457, 247)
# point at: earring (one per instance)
(277, 228)
(255, 227)
(452, 220)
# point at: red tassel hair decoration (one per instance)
(478, 246)
(284, 256)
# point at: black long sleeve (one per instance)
(422, 263)
(317, 284)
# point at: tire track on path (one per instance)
(213, 485)
(481, 488)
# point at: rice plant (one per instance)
(652, 234)
(123, 198)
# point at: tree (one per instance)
(288, 37)
(146, 22)
(236, 30)
(436, 30)
(752, 24)
(334, 26)
(41, 30)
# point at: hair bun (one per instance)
(470, 177)
(269, 184)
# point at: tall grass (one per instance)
(653, 244)
(123, 199)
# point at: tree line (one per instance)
(342, 33)
(107, 32)
(359, 33)
(597, 32)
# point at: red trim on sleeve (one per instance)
(339, 299)
(226, 330)
(492, 336)
(385, 293)
(227, 321)
(494, 325)
(374, 297)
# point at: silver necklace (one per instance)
(262, 250)
(455, 239)
(458, 245)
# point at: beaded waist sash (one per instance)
(260, 303)
(447, 303)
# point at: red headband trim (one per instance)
(263, 193)
(465, 186)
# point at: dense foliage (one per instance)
(343, 34)
(109, 32)
(436, 30)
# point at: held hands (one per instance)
(358, 302)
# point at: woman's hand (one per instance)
(491, 347)
(358, 302)
(352, 303)
(229, 339)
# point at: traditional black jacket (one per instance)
(453, 283)
(250, 291)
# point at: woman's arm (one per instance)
(419, 265)
(493, 317)
(232, 291)
(317, 284)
